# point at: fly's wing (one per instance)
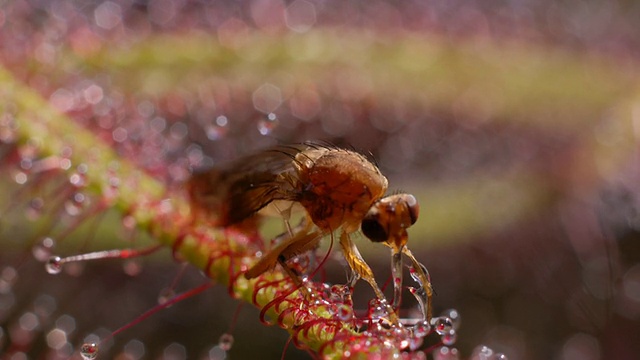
(232, 193)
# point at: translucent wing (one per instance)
(232, 193)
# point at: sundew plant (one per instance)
(516, 127)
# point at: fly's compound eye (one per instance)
(373, 229)
(413, 207)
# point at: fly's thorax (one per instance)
(339, 187)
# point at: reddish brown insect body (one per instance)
(339, 189)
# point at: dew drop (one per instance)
(89, 351)
(449, 338)
(268, 124)
(442, 325)
(501, 356)
(226, 341)
(54, 265)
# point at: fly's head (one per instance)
(388, 219)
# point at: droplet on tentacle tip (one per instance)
(339, 293)
(454, 316)
(226, 341)
(89, 351)
(421, 329)
(377, 309)
(442, 325)
(54, 265)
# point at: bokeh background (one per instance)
(515, 123)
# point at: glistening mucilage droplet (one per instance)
(89, 351)
(54, 265)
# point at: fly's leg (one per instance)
(421, 275)
(362, 270)
(304, 238)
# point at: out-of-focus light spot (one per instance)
(7, 300)
(146, 108)
(56, 339)
(300, 16)
(339, 120)
(178, 130)
(21, 178)
(268, 15)
(216, 353)
(163, 11)
(158, 124)
(134, 349)
(222, 120)
(66, 323)
(45, 305)
(267, 124)
(597, 278)
(233, 33)
(93, 94)
(62, 99)
(267, 98)
(636, 120)
(353, 85)
(8, 277)
(45, 53)
(108, 15)
(175, 351)
(119, 134)
(581, 347)
(305, 104)
(29, 321)
(631, 283)
(446, 353)
(18, 356)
